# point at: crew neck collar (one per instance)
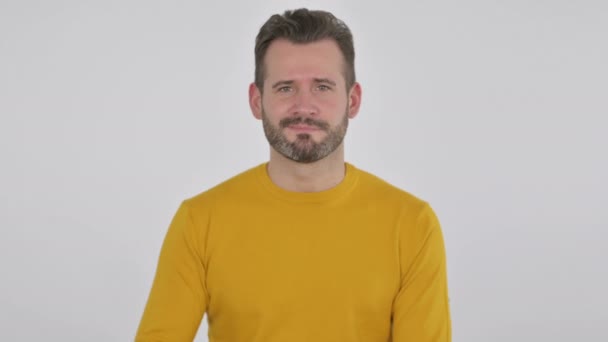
(319, 197)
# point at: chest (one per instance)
(261, 267)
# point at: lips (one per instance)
(305, 128)
(304, 124)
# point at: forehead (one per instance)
(320, 59)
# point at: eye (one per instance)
(323, 87)
(284, 89)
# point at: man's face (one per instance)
(305, 106)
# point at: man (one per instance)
(304, 247)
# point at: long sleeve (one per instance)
(178, 298)
(421, 310)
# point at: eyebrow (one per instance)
(290, 82)
(281, 83)
(325, 80)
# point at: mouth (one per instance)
(303, 128)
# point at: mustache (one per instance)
(307, 121)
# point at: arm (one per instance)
(421, 310)
(178, 298)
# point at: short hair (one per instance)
(305, 26)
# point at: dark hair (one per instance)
(305, 26)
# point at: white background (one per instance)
(112, 112)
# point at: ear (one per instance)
(255, 101)
(354, 100)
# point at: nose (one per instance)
(305, 104)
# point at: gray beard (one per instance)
(304, 149)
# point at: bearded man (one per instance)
(305, 246)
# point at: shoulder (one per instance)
(229, 190)
(416, 217)
(376, 188)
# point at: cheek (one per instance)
(333, 100)
(276, 106)
(334, 109)
(329, 101)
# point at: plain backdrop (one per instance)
(113, 112)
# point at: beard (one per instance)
(304, 149)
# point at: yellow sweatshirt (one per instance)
(363, 261)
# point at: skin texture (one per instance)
(305, 107)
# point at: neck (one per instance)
(321, 175)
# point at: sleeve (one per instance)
(421, 308)
(178, 298)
